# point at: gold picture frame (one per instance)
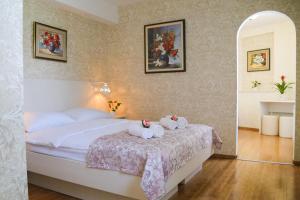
(165, 47)
(258, 60)
(49, 42)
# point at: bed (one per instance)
(56, 158)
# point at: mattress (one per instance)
(72, 154)
(72, 141)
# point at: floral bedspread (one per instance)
(155, 159)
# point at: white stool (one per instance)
(286, 126)
(270, 125)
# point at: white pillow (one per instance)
(35, 121)
(86, 114)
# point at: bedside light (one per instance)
(101, 87)
(105, 89)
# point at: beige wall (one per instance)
(13, 181)
(206, 93)
(86, 44)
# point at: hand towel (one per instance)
(167, 123)
(182, 122)
(139, 131)
(158, 130)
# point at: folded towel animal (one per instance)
(168, 123)
(182, 122)
(139, 131)
(155, 130)
(158, 130)
(173, 122)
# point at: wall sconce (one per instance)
(105, 89)
(102, 87)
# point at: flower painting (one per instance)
(258, 60)
(165, 47)
(50, 42)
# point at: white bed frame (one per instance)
(73, 177)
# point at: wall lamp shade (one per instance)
(105, 89)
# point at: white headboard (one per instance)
(57, 95)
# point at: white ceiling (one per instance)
(101, 10)
(264, 18)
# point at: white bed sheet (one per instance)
(58, 152)
(77, 135)
(72, 141)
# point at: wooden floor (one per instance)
(225, 179)
(37, 193)
(254, 146)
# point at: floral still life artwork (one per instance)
(258, 60)
(50, 42)
(165, 47)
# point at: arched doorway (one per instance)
(266, 51)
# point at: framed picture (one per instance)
(258, 60)
(165, 47)
(49, 42)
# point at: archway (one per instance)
(269, 38)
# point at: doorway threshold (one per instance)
(265, 161)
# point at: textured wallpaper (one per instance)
(206, 93)
(13, 178)
(86, 44)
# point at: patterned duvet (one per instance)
(155, 159)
